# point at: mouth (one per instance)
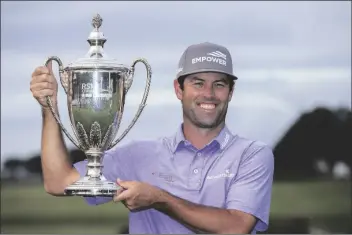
(207, 106)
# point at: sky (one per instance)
(290, 57)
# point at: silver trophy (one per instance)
(96, 88)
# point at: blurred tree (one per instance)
(317, 135)
(12, 166)
(33, 165)
(346, 136)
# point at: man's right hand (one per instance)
(44, 84)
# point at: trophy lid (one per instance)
(96, 57)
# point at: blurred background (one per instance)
(293, 60)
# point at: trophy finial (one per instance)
(96, 38)
(97, 21)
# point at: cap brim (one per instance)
(207, 70)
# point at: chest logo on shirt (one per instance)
(226, 174)
(166, 177)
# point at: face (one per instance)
(205, 98)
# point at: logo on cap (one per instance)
(218, 54)
(215, 57)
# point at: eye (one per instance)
(198, 84)
(219, 84)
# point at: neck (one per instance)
(199, 137)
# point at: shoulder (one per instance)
(255, 152)
(137, 147)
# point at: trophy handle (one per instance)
(64, 83)
(128, 83)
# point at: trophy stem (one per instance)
(94, 165)
(93, 183)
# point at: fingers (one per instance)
(118, 192)
(126, 198)
(41, 94)
(41, 70)
(125, 193)
(42, 80)
(43, 77)
(125, 184)
(123, 197)
(42, 85)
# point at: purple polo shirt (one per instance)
(230, 172)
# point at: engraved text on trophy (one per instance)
(96, 105)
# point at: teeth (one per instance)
(207, 106)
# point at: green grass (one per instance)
(89, 228)
(311, 199)
(28, 209)
(21, 203)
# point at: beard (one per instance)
(202, 119)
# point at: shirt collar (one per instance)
(222, 139)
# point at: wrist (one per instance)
(161, 199)
(46, 111)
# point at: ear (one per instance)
(178, 90)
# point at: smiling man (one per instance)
(204, 179)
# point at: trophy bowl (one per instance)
(96, 88)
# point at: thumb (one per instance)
(124, 184)
(124, 195)
(50, 67)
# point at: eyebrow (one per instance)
(195, 78)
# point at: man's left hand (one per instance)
(137, 195)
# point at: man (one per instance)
(203, 179)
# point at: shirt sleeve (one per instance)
(112, 170)
(250, 191)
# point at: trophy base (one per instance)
(92, 188)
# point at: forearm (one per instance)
(56, 164)
(200, 218)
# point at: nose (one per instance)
(208, 91)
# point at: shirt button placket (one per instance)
(196, 172)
